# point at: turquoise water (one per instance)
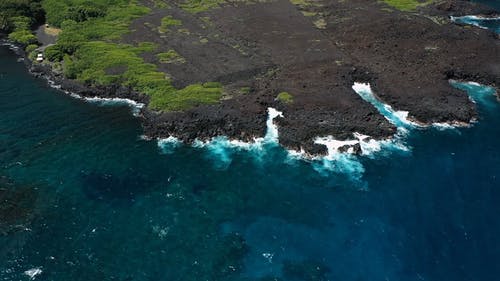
(492, 23)
(487, 23)
(84, 197)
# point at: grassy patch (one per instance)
(139, 75)
(170, 57)
(285, 97)
(197, 6)
(320, 23)
(305, 3)
(184, 31)
(192, 95)
(90, 54)
(160, 4)
(407, 5)
(245, 90)
(167, 22)
(31, 48)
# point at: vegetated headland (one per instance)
(209, 68)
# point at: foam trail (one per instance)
(336, 161)
(272, 129)
(168, 145)
(221, 148)
(492, 23)
(33, 273)
(135, 106)
(397, 118)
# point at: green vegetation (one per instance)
(170, 57)
(77, 10)
(167, 22)
(407, 5)
(160, 4)
(22, 33)
(285, 97)
(245, 90)
(12, 9)
(192, 95)
(197, 6)
(184, 31)
(87, 49)
(17, 18)
(31, 48)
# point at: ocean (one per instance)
(83, 196)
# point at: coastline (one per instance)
(243, 118)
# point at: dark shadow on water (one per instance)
(111, 188)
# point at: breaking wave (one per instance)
(135, 106)
(343, 156)
(477, 93)
(491, 23)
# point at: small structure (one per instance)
(39, 57)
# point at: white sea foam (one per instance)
(342, 155)
(475, 17)
(33, 273)
(272, 129)
(220, 149)
(474, 20)
(397, 118)
(135, 106)
(168, 145)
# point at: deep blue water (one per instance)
(495, 4)
(85, 198)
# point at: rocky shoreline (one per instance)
(407, 58)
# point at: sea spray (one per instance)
(168, 145)
(136, 107)
(272, 129)
(397, 118)
(342, 154)
(33, 273)
(336, 161)
(221, 149)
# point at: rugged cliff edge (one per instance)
(303, 60)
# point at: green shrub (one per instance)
(185, 98)
(197, 6)
(24, 37)
(170, 57)
(11, 9)
(407, 5)
(285, 97)
(53, 53)
(30, 48)
(167, 22)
